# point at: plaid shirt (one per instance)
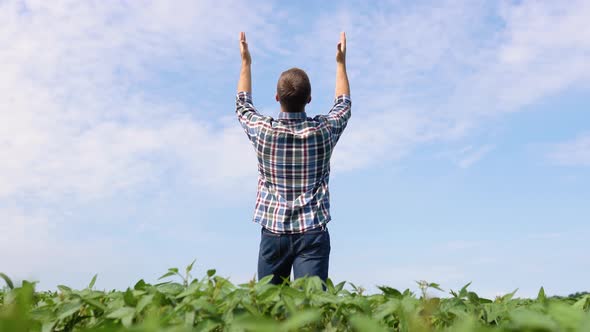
(293, 163)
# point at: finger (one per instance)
(343, 40)
(242, 36)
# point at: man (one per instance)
(293, 151)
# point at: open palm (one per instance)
(244, 49)
(341, 49)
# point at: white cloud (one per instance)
(466, 156)
(542, 49)
(76, 123)
(425, 73)
(400, 61)
(572, 153)
(74, 118)
(470, 156)
(367, 141)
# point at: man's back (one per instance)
(293, 154)
(293, 201)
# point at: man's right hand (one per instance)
(245, 82)
(341, 49)
(246, 59)
(342, 86)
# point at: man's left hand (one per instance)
(246, 59)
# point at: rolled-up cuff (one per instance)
(342, 99)
(244, 96)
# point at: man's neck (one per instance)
(285, 111)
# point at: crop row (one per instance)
(213, 303)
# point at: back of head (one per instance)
(293, 90)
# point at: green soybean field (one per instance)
(212, 303)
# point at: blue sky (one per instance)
(467, 157)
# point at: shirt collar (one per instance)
(292, 115)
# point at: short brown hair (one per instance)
(293, 90)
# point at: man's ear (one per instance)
(277, 97)
(309, 100)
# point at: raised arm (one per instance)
(341, 111)
(248, 116)
(342, 86)
(245, 82)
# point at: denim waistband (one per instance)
(319, 229)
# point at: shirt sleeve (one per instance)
(248, 116)
(338, 116)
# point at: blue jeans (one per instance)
(308, 253)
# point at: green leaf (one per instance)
(64, 289)
(251, 309)
(48, 326)
(525, 319)
(189, 318)
(7, 280)
(585, 325)
(140, 285)
(202, 305)
(407, 292)
(121, 312)
(392, 292)
(265, 280)
(68, 309)
(167, 274)
(387, 308)
(314, 284)
(484, 300)
(258, 324)
(92, 281)
(211, 273)
(508, 296)
(301, 319)
(289, 304)
(190, 267)
(172, 288)
(340, 286)
(94, 303)
(209, 325)
(330, 285)
(463, 291)
(29, 285)
(473, 297)
(127, 321)
(567, 316)
(435, 286)
(191, 289)
(268, 295)
(583, 303)
(364, 323)
(129, 299)
(42, 314)
(541, 296)
(143, 302)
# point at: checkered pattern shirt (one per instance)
(293, 154)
